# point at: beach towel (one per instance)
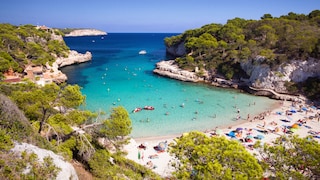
(231, 134)
(308, 127)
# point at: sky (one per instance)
(172, 16)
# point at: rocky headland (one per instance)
(74, 57)
(86, 32)
(262, 79)
(169, 69)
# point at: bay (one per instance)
(119, 76)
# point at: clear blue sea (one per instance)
(119, 76)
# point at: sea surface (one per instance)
(119, 76)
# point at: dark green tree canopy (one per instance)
(292, 157)
(21, 45)
(293, 36)
(203, 157)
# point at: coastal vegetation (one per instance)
(28, 44)
(202, 157)
(49, 117)
(54, 117)
(220, 49)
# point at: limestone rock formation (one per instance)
(73, 58)
(86, 32)
(262, 76)
(67, 170)
(169, 69)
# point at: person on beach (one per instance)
(248, 117)
(142, 155)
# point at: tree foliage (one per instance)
(27, 167)
(292, 158)
(203, 157)
(66, 129)
(279, 39)
(118, 125)
(40, 103)
(21, 45)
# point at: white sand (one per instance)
(162, 163)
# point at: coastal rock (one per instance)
(261, 76)
(73, 58)
(86, 32)
(67, 170)
(169, 69)
(177, 50)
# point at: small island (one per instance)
(85, 32)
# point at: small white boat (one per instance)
(142, 52)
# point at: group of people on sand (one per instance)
(160, 148)
(260, 116)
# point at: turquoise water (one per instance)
(119, 76)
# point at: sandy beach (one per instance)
(266, 127)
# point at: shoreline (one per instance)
(272, 117)
(168, 68)
(243, 120)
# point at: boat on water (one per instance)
(137, 110)
(148, 108)
(142, 52)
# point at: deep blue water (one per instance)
(119, 76)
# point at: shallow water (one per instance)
(119, 76)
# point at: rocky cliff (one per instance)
(262, 76)
(73, 58)
(169, 69)
(86, 32)
(67, 170)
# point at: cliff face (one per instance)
(177, 50)
(67, 170)
(86, 32)
(73, 58)
(261, 76)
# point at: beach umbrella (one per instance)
(232, 134)
(239, 129)
(259, 136)
(293, 111)
(295, 126)
(162, 146)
